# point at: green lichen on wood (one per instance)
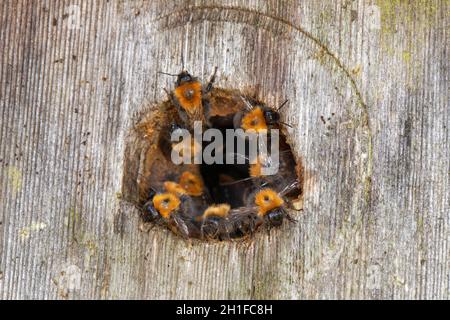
(394, 13)
(15, 179)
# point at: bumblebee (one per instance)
(189, 97)
(214, 224)
(173, 208)
(192, 183)
(257, 116)
(164, 208)
(271, 208)
(265, 206)
(182, 148)
(190, 188)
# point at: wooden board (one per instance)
(368, 88)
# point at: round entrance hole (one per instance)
(228, 189)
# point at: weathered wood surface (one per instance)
(368, 85)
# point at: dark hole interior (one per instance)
(220, 179)
(231, 183)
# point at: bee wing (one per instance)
(239, 155)
(237, 181)
(290, 187)
(241, 214)
(247, 104)
(181, 225)
(237, 212)
(243, 220)
(208, 225)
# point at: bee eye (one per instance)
(271, 116)
(150, 213)
(276, 218)
(186, 78)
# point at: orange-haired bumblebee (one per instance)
(271, 207)
(265, 206)
(214, 224)
(189, 186)
(164, 208)
(257, 116)
(188, 96)
(192, 183)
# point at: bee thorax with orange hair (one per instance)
(189, 96)
(220, 210)
(166, 204)
(192, 183)
(254, 120)
(267, 200)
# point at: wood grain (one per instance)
(370, 106)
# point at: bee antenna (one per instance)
(167, 92)
(182, 60)
(247, 103)
(236, 181)
(286, 124)
(168, 74)
(153, 189)
(282, 105)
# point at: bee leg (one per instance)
(227, 230)
(211, 81)
(290, 219)
(291, 207)
(223, 233)
(248, 242)
(184, 236)
(179, 227)
(202, 231)
(169, 95)
(288, 216)
(253, 226)
(268, 229)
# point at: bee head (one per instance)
(275, 217)
(150, 213)
(271, 116)
(183, 77)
